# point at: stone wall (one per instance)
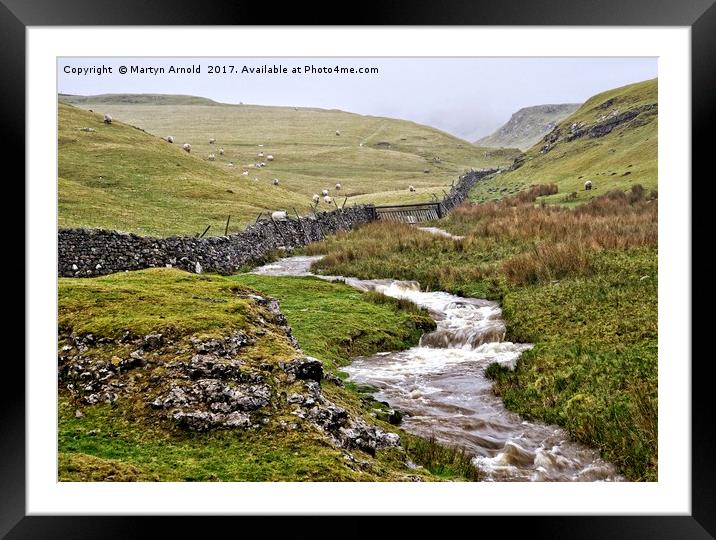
(94, 252)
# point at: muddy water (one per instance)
(441, 387)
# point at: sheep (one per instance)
(186, 147)
(324, 193)
(279, 216)
(327, 199)
(260, 154)
(221, 151)
(411, 188)
(315, 198)
(170, 139)
(231, 163)
(107, 119)
(263, 163)
(587, 185)
(275, 182)
(338, 133)
(269, 158)
(245, 173)
(261, 146)
(212, 140)
(212, 157)
(338, 187)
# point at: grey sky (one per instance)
(468, 97)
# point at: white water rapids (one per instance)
(441, 387)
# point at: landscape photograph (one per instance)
(357, 269)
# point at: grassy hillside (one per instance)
(102, 321)
(528, 125)
(374, 159)
(151, 99)
(625, 156)
(119, 177)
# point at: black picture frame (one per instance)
(699, 15)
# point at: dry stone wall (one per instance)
(95, 252)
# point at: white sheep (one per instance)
(231, 163)
(338, 132)
(107, 119)
(186, 147)
(315, 198)
(411, 188)
(212, 157)
(221, 151)
(587, 185)
(170, 139)
(275, 181)
(338, 187)
(212, 140)
(260, 154)
(327, 199)
(263, 163)
(261, 145)
(245, 173)
(324, 193)
(269, 158)
(279, 216)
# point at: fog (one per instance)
(468, 97)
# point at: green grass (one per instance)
(594, 324)
(119, 177)
(149, 186)
(335, 322)
(126, 442)
(625, 157)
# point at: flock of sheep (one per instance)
(212, 157)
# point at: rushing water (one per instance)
(441, 387)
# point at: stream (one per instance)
(440, 386)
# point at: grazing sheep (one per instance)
(107, 119)
(315, 198)
(327, 199)
(261, 145)
(170, 139)
(279, 216)
(245, 173)
(263, 163)
(411, 188)
(186, 147)
(269, 158)
(231, 163)
(212, 140)
(587, 185)
(338, 132)
(324, 193)
(221, 151)
(260, 154)
(275, 181)
(338, 187)
(212, 157)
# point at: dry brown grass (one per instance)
(561, 239)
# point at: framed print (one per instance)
(436, 263)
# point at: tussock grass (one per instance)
(442, 460)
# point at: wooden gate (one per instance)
(409, 213)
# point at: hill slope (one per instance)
(610, 140)
(155, 99)
(374, 159)
(119, 177)
(528, 125)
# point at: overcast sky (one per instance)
(468, 97)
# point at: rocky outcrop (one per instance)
(208, 383)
